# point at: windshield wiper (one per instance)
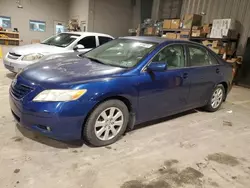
(57, 45)
(46, 43)
(101, 62)
(94, 59)
(50, 44)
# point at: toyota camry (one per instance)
(99, 95)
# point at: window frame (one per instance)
(8, 17)
(103, 37)
(38, 21)
(204, 49)
(144, 69)
(85, 38)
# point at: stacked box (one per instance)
(167, 24)
(150, 31)
(171, 35)
(171, 24)
(184, 34)
(191, 20)
(175, 24)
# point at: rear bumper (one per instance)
(63, 124)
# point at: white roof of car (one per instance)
(90, 34)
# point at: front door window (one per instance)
(172, 55)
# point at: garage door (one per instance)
(112, 17)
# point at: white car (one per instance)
(22, 56)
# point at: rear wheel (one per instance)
(106, 123)
(217, 99)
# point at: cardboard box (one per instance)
(167, 24)
(150, 31)
(185, 32)
(233, 60)
(207, 43)
(216, 44)
(191, 20)
(171, 36)
(223, 50)
(196, 28)
(178, 36)
(206, 28)
(175, 23)
(196, 33)
(216, 50)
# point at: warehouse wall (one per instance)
(146, 9)
(137, 13)
(79, 9)
(164, 9)
(236, 9)
(113, 17)
(170, 8)
(42, 10)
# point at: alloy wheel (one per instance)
(217, 98)
(109, 123)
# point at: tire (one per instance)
(213, 107)
(101, 125)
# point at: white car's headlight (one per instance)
(59, 95)
(32, 57)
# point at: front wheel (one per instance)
(217, 99)
(106, 123)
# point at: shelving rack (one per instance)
(9, 38)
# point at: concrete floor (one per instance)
(194, 149)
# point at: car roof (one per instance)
(158, 40)
(90, 34)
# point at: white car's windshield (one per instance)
(121, 52)
(61, 40)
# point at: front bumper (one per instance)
(15, 65)
(58, 120)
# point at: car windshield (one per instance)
(61, 40)
(121, 52)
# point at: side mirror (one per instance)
(78, 47)
(157, 67)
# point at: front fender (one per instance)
(100, 90)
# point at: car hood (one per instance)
(68, 69)
(36, 48)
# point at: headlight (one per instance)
(59, 95)
(32, 57)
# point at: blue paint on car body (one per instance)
(150, 95)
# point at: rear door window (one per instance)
(200, 57)
(88, 42)
(103, 40)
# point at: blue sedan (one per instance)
(99, 95)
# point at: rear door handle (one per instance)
(185, 75)
(217, 70)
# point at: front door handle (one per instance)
(185, 75)
(217, 70)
